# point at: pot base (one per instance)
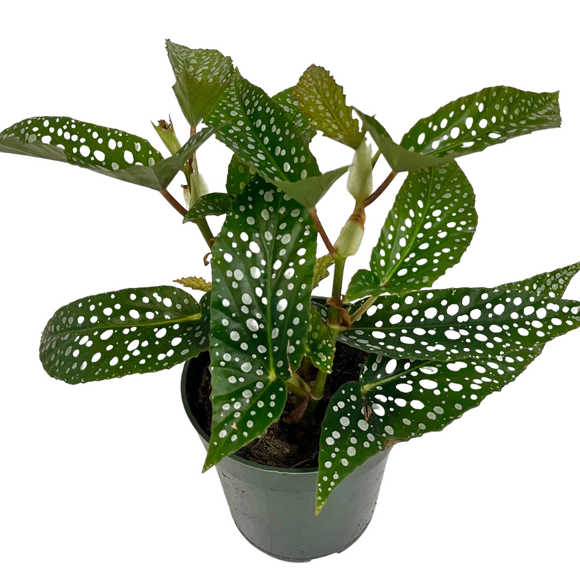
(300, 560)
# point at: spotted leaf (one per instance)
(138, 330)
(239, 175)
(490, 116)
(448, 325)
(311, 190)
(209, 204)
(107, 151)
(397, 400)
(550, 283)
(290, 105)
(259, 131)
(427, 231)
(262, 267)
(323, 101)
(201, 77)
(320, 346)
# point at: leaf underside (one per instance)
(262, 267)
(113, 334)
(239, 175)
(291, 107)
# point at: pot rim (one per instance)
(204, 436)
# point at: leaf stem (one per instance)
(201, 223)
(367, 304)
(375, 195)
(333, 321)
(322, 232)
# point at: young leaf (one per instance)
(107, 151)
(448, 325)
(319, 345)
(138, 330)
(239, 175)
(321, 269)
(261, 133)
(291, 106)
(201, 77)
(426, 233)
(398, 400)
(209, 204)
(490, 116)
(262, 267)
(195, 283)
(550, 283)
(323, 101)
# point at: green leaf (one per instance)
(399, 158)
(291, 106)
(311, 190)
(448, 325)
(107, 151)
(321, 269)
(166, 133)
(195, 283)
(323, 101)
(553, 282)
(201, 75)
(209, 204)
(465, 126)
(262, 267)
(429, 228)
(239, 175)
(320, 346)
(398, 400)
(261, 133)
(490, 116)
(138, 330)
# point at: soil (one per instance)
(283, 444)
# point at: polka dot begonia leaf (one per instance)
(239, 175)
(323, 101)
(209, 204)
(427, 231)
(550, 283)
(320, 346)
(260, 132)
(397, 400)
(467, 125)
(138, 330)
(262, 268)
(201, 77)
(291, 107)
(448, 325)
(107, 151)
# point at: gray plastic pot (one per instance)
(274, 507)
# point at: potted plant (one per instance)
(299, 398)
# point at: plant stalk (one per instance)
(322, 232)
(333, 322)
(375, 195)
